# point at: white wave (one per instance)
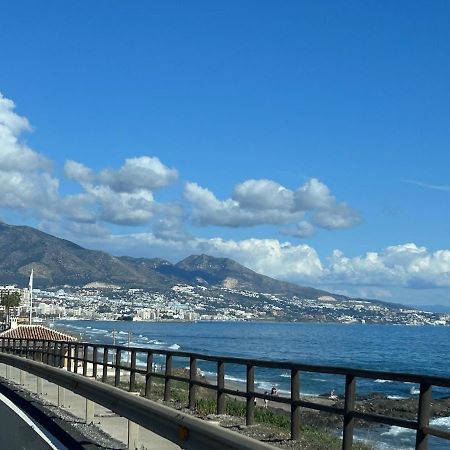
(174, 347)
(414, 391)
(383, 381)
(264, 385)
(285, 375)
(395, 397)
(397, 431)
(122, 332)
(441, 422)
(208, 374)
(237, 380)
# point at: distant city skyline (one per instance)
(309, 142)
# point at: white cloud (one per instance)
(404, 265)
(25, 180)
(270, 257)
(302, 229)
(313, 195)
(263, 195)
(260, 202)
(208, 210)
(374, 274)
(14, 154)
(123, 196)
(137, 174)
(336, 217)
(78, 172)
(436, 187)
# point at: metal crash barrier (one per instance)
(186, 431)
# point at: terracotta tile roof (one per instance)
(36, 332)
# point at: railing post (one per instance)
(148, 375)
(250, 410)
(192, 379)
(46, 352)
(133, 436)
(76, 358)
(39, 386)
(220, 386)
(118, 363)
(105, 365)
(85, 358)
(423, 417)
(94, 361)
(295, 408)
(49, 353)
(167, 380)
(89, 416)
(54, 353)
(132, 371)
(61, 354)
(69, 356)
(349, 406)
(34, 351)
(61, 396)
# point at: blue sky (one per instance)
(307, 140)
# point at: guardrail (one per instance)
(77, 356)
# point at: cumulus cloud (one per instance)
(123, 196)
(263, 195)
(25, 178)
(374, 274)
(302, 229)
(137, 174)
(406, 265)
(313, 195)
(259, 202)
(14, 154)
(336, 217)
(208, 210)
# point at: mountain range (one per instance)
(58, 262)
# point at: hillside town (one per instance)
(97, 301)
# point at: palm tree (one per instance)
(9, 300)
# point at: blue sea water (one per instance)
(419, 350)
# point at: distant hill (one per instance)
(57, 262)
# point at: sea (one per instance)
(399, 348)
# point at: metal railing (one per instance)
(87, 358)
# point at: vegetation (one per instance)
(9, 300)
(274, 422)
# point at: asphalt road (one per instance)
(17, 431)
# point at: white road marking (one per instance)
(31, 423)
